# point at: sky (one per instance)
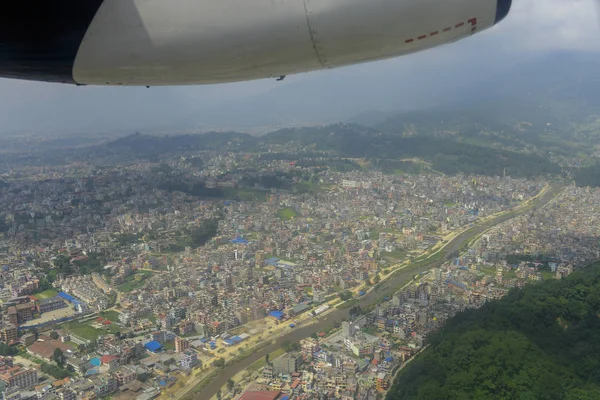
(533, 27)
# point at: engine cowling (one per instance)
(157, 42)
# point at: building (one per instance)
(261, 395)
(299, 309)
(105, 386)
(189, 359)
(309, 347)
(51, 304)
(348, 329)
(13, 318)
(66, 394)
(153, 346)
(181, 345)
(382, 381)
(158, 336)
(45, 349)
(318, 295)
(125, 376)
(8, 333)
(19, 377)
(25, 311)
(267, 372)
(177, 313)
(287, 364)
(186, 327)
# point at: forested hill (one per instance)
(538, 343)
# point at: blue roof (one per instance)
(389, 359)
(236, 339)
(276, 314)
(66, 296)
(285, 398)
(228, 341)
(153, 346)
(203, 340)
(239, 240)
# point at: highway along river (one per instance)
(387, 288)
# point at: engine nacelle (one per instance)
(158, 42)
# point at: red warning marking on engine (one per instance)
(472, 22)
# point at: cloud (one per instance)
(542, 25)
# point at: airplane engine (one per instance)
(177, 42)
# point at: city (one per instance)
(143, 279)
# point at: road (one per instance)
(387, 288)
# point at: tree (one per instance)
(54, 335)
(289, 346)
(59, 357)
(144, 377)
(346, 295)
(55, 371)
(376, 279)
(515, 345)
(219, 394)
(230, 384)
(267, 358)
(220, 363)
(6, 350)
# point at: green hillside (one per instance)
(538, 343)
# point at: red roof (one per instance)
(107, 322)
(261, 395)
(107, 359)
(99, 319)
(295, 384)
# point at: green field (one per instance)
(396, 254)
(84, 331)
(110, 315)
(132, 283)
(547, 275)
(46, 294)
(287, 213)
(168, 346)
